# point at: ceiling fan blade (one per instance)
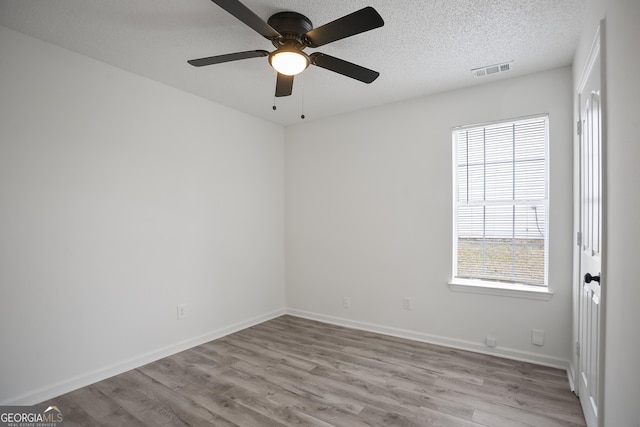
(218, 59)
(349, 25)
(244, 14)
(343, 67)
(284, 85)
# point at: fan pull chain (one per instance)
(302, 88)
(274, 93)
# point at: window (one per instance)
(501, 202)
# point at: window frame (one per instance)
(502, 288)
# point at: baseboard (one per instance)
(508, 353)
(83, 380)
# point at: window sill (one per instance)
(501, 289)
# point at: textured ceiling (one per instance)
(425, 46)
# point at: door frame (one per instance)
(597, 47)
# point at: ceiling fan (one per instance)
(291, 33)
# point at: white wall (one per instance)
(622, 203)
(119, 199)
(369, 216)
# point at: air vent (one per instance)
(492, 69)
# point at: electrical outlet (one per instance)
(346, 302)
(537, 337)
(182, 311)
(491, 341)
(406, 303)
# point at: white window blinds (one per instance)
(501, 195)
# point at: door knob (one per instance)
(588, 278)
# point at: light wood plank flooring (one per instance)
(292, 371)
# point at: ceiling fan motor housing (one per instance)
(292, 26)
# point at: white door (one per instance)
(591, 237)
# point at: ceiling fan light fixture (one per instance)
(289, 62)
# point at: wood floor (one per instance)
(291, 371)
